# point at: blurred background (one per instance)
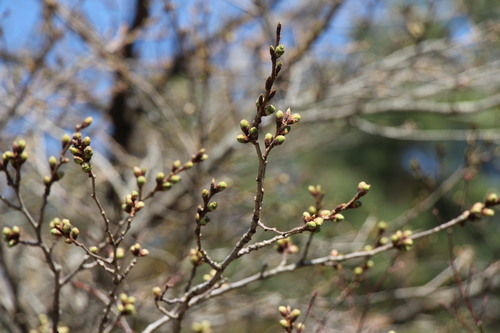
(404, 95)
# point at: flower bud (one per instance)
(269, 110)
(86, 141)
(488, 212)
(370, 263)
(46, 180)
(166, 186)
(74, 233)
(87, 122)
(363, 187)
(279, 140)
(141, 180)
(280, 50)
(492, 198)
(221, 186)
(253, 133)
(175, 179)
(156, 291)
(21, 144)
(86, 167)
(188, 165)
(358, 270)
(94, 249)
(285, 323)
(311, 225)
(295, 313)
(283, 310)
(176, 165)
(52, 162)
(318, 221)
(338, 218)
(65, 140)
(242, 138)
(279, 116)
(139, 205)
(73, 150)
(88, 152)
(285, 130)
(382, 225)
(205, 193)
(212, 206)
(245, 126)
(24, 156)
(477, 208)
(294, 118)
(159, 177)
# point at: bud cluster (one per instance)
(11, 235)
(401, 240)
(208, 206)
(140, 176)
(164, 183)
(132, 203)
(82, 152)
(289, 318)
(64, 228)
(138, 251)
(315, 220)
(480, 209)
(16, 157)
(195, 257)
(286, 246)
(126, 306)
(54, 166)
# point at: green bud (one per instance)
(318, 221)
(159, 177)
(88, 152)
(73, 150)
(188, 165)
(65, 140)
(87, 121)
(382, 225)
(24, 156)
(306, 215)
(203, 157)
(86, 167)
(221, 186)
(383, 240)
(311, 225)
(86, 141)
(269, 110)
(283, 310)
(368, 247)
(284, 323)
(52, 161)
(78, 160)
(358, 270)
(6, 231)
(176, 165)
(94, 249)
(294, 118)
(175, 179)
(312, 210)
(74, 233)
(254, 132)
(295, 313)
(280, 50)
(212, 206)
(139, 205)
(363, 187)
(244, 125)
(279, 140)
(141, 180)
(477, 208)
(166, 186)
(285, 130)
(492, 198)
(205, 193)
(205, 220)
(156, 291)
(55, 232)
(21, 144)
(370, 263)
(268, 138)
(242, 139)
(488, 212)
(279, 116)
(338, 218)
